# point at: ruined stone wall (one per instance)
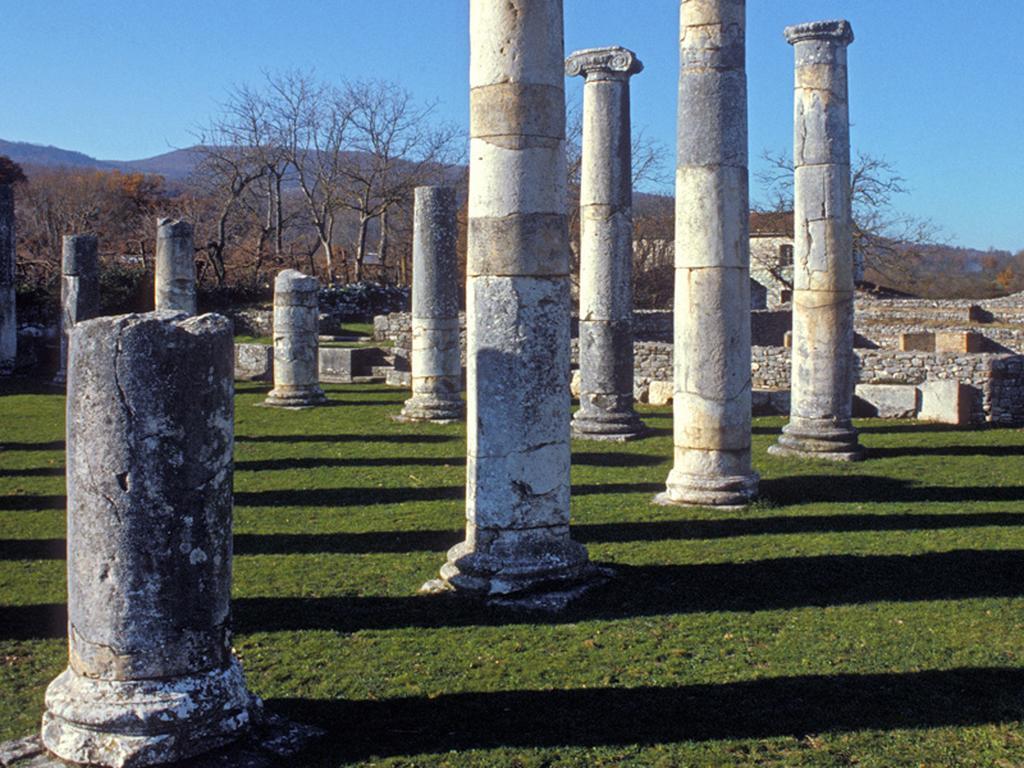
(996, 378)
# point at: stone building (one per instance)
(771, 255)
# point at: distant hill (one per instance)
(175, 165)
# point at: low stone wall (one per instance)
(996, 380)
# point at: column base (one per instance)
(613, 427)
(124, 724)
(436, 411)
(547, 578)
(295, 399)
(726, 491)
(819, 439)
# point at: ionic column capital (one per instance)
(613, 62)
(839, 32)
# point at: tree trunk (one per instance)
(361, 247)
(382, 248)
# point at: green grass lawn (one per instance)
(869, 614)
(362, 332)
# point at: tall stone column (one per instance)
(296, 342)
(823, 374)
(175, 266)
(436, 355)
(151, 677)
(8, 317)
(79, 290)
(712, 258)
(606, 247)
(517, 485)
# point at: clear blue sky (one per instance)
(937, 86)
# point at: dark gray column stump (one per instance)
(606, 247)
(151, 677)
(175, 278)
(436, 359)
(823, 374)
(79, 291)
(8, 319)
(296, 345)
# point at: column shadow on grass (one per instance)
(783, 583)
(751, 709)
(808, 489)
(346, 438)
(406, 541)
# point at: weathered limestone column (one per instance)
(8, 319)
(606, 247)
(517, 486)
(296, 344)
(151, 677)
(712, 252)
(79, 290)
(436, 357)
(823, 374)
(175, 266)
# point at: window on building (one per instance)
(785, 255)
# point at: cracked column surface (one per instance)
(151, 677)
(712, 397)
(606, 247)
(8, 320)
(175, 276)
(517, 485)
(296, 342)
(436, 359)
(79, 291)
(823, 374)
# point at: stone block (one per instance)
(574, 383)
(959, 341)
(343, 365)
(946, 402)
(396, 378)
(660, 392)
(769, 402)
(254, 362)
(923, 341)
(887, 401)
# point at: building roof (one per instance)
(771, 223)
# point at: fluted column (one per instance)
(517, 464)
(606, 247)
(712, 256)
(436, 357)
(823, 373)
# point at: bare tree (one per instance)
(394, 148)
(312, 121)
(882, 235)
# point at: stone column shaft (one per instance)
(712, 397)
(79, 290)
(296, 342)
(517, 464)
(151, 677)
(8, 317)
(606, 247)
(823, 373)
(436, 354)
(175, 276)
